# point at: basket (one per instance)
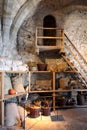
(61, 102)
(34, 112)
(46, 111)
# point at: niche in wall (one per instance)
(49, 22)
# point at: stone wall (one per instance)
(73, 23)
(76, 28)
(20, 24)
(0, 27)
(14, 65)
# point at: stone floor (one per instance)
(64, 119)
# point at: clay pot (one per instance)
(12, 91)
(42, 67)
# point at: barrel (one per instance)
(80, 99)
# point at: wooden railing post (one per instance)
(62, 41)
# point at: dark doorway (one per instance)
(49, 22)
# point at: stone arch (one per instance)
(49, 21)
(27, 9)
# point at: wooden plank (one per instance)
(71, 106)
(2, 97)
(41, 91)
(40, 71)
(47, 37)
(62, 42)
(29, 80)
(49, 28)
(48, 47)
(2, 113)
(54, 79)
(71, 90)
(15, 95)
(44, 48)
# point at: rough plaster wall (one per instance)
(1, 45)
(27, 9)
(50, 6)
(26, 40)
(75, 26)
(11, 7)
(26, 34)
(11, 21)
(10, 11)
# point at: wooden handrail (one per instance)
(48, 28)
(69, 63)
(75, 57)
(49, 37)
(75, 48)
(59, 36)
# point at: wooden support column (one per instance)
(54, 101)
(2, 97)
(62, 41)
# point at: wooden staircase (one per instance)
(68, 51)
(78, 75)
(75, 60)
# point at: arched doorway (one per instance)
(49, 22)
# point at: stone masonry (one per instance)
(21, 17)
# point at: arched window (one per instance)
(49, 22)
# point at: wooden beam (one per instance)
(68, 62)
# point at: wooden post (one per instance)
(29, 81)
(62, 41)
(54, 91)
(2, 97)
